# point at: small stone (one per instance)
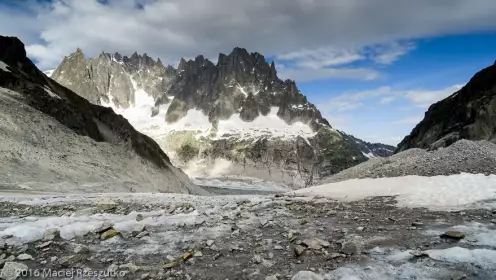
(187, 256)
(456, 235)
(299, 250)
(210, 242)
(336, 255)
(417, 224)
(459, 276)
(44, 245)
(105, 226)
(352, 245)
(137, 229)
(53, 259)
(257, 259)
(51, 234)
(109, 234)
(171, 264)
(145, 276)
(139, 217)
(419, 254)
(360, 228)
(198, 254)
(113, 267)
(272, 277)
(24, 257)
(10, 258)
(142, 234)
(12, 270)
(315, 243)
(2, 256)
(81, 249)
(267, 264)
(130, 266)
(306, 275)
(217, 256)
(278, 247)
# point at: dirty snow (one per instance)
(438, 192)
(49, 73)
(51, 93)
(3, 66)
(369, 154)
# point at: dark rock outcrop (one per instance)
(469, 113)
(240, 83)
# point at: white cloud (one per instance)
(417, 98)
(310, 74)
(425, 98)
(389, 53)
(409, 120)
(175, 28)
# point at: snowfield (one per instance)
(436, 193)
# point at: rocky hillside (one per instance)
(235, 117)
(52, 139)
(469, 113)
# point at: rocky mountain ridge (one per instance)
(469, 113)
(59, 131)
(236, 111)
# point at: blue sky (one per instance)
(371, 67)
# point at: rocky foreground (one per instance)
(282, 236)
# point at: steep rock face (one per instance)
(56, 124)
(240, 83)
(113, 79)
(469, 113)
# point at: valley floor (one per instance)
(371, 235)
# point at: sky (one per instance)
(372, 67)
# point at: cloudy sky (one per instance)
(371, 66)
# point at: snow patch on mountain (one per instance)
(3, 66)
(139, 115)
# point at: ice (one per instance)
(3, 66)
(484, 258)
(436, 193)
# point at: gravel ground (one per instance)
(462, 157)
(241, 237)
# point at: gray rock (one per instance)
(24, 257)
(306, 275)
(315, 243)
(272, 277)
(298, 250)
(210, 242)
(352, 245)
(12, 270)
(81, 249)
(51, 234)
(142, 234)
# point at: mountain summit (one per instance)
(235, 117)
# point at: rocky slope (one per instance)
(469, 113)
(235, 117)
(52, 139)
